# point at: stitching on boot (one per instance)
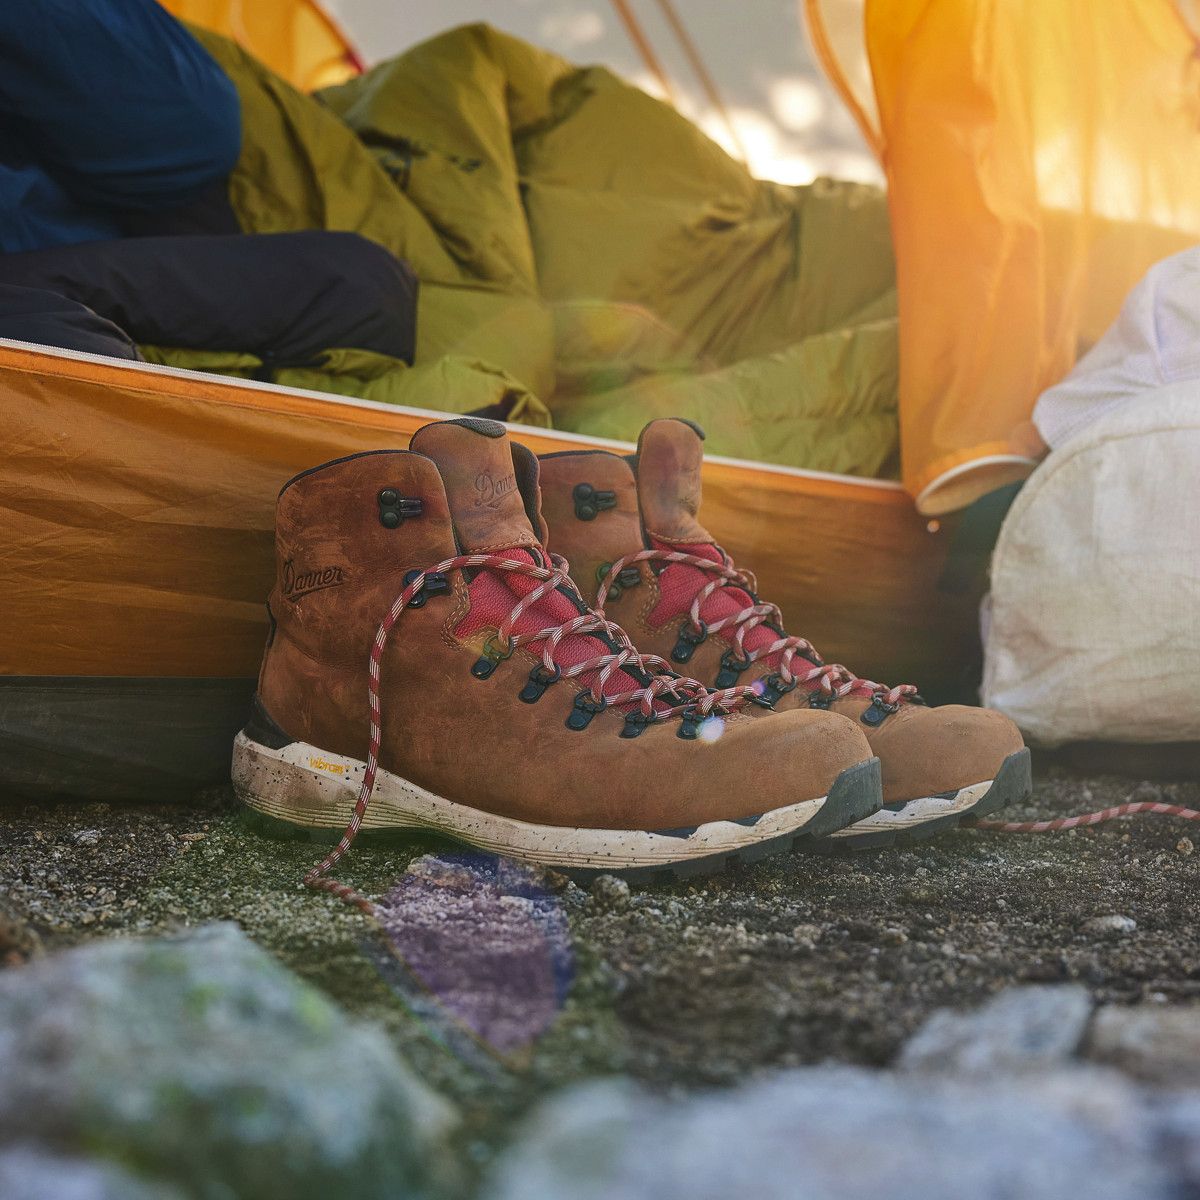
(509, 545)
(458, 614)
(653, 596)
(658, 537)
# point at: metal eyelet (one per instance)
(589, 502)
(878, 711)
(731, 668)
(490, 657)
(635, 724)
(584, 710)
(688, 641)
(393, 508)
(774, 689)
(627, 577)
(539, 681)
(436, 584)
(690, 721)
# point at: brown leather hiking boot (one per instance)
(425, 645)
(630, 530)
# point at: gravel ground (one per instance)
(796, 960)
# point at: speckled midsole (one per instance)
(919, 811)
(309, 787)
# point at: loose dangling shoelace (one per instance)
(1092, 818)
(654, 700)
(832, 679)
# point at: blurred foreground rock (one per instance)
(27, 1174)
(836, 1133)
(991, 1103)
(201, 1061)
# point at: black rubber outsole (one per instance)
(856, 793)
(1014, 781)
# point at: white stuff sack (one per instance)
(1093, 623)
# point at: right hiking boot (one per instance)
(631, 529)
(429, 667)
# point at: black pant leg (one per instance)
(47, 319)
(282, 296)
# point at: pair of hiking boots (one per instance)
(434, 663)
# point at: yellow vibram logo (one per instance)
(319, 764)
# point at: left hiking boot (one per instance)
(629, 528)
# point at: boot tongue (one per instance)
(670, 452)
(476, 465)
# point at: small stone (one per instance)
(807, 933)
(1185, 846)
(893, 937)
(609, 894)
(1110, 925)
(1146, 793)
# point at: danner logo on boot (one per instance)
(489, 492)
(303, 583)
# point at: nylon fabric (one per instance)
(1093, 621)
(295, 38)
(679, 583)
(728, 601)
(1040, 156)
(493, 597)
(94, 96)
(590, 243)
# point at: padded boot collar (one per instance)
(476, 464)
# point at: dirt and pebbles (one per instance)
(796, 960)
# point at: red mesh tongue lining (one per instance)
(680, 582)
(494, 594)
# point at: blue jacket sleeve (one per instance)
(116, 101)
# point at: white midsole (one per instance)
(307, 786)
(918, 811)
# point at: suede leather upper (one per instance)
(923, 750)
(473, 740)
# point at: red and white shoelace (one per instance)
(834, 680)
(665, 696)
(1092, 818)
